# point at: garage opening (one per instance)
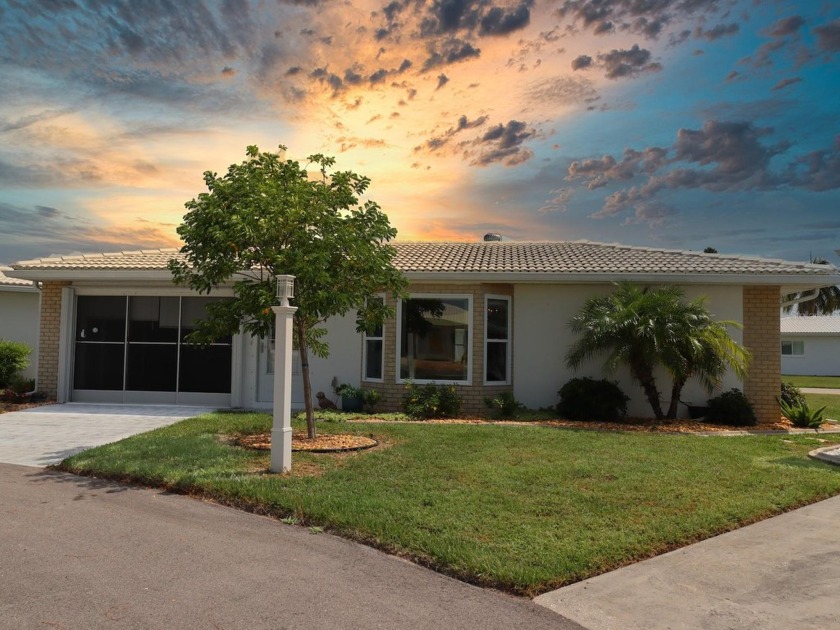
(133, 349)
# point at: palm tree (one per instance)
(645, 328)
(827, 301)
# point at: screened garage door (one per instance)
(133, 349)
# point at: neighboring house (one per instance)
(19, 303)
(486, 317)
(811, 345)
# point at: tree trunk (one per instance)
(645, 377)
(676, 392)
(307, 386)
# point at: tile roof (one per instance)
(811, 325)
(565, 257)
(584, 257)
(6, 281)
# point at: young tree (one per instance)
(645, 328)
(270, 216)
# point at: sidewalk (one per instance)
(780, 574)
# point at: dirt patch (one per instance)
(6, 407)
(324, 443)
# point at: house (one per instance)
(486, 317)
(811, 345)
(19, 302)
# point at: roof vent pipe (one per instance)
(492, 237)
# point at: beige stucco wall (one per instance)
(542, 338)
(19, 322)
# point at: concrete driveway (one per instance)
(45, 435)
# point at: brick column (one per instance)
(48, 342)
(762, 337)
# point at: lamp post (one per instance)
(281, 431)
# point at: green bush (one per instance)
(792, 395)
(14, 358)
(802, 416)
(431, 401)
(505, 405)
(588, 399)
(731, 408)
(371, 399)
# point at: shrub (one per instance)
(792, 395)
(370, 397)
(731, 408)
(588, 399)
(431, 401)
(14, 357)
(802, 416)
(20, 385)
(504, 404)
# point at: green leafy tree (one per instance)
(644, 328)
(827, 301)
(270, 216)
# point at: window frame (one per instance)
(507, 340)
(470, 337)
(792, 353)
(381, 339)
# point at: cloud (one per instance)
(828, 36)
(436, 143)
(786, 83)
(558, 203)
(442, 80)
(498, 21)
(721, 30)
(786, 26)
(627, 63)
(648, 18)
(451, 51)
(503, 143)
(720, 157)
(562, 91)
(581, 61)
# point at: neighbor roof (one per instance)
(811, 325)
(508, 261)
(14, 284)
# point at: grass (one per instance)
(813, 381)
(830, 401)
(522, 508)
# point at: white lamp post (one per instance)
(281, 431)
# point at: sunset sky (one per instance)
(668, 123)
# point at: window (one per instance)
(497, 340)
(374, 355)
(793, 348)
(434, 338)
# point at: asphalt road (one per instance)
(83, 553)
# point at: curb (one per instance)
(830, 454)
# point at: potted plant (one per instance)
(352, 398)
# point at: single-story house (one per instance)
(811, 345)
(494, 318)
(19, 304)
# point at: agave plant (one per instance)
(801, 415)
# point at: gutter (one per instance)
(807, 297)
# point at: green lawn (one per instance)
(523, 508)
(813, 381)
(830, 401)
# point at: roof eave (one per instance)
(788, 282)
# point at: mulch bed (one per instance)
(6, 407)
(324, 443)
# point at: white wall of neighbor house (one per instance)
(541, 338)
(19, 317)
(821, 356)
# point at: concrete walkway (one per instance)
(84, 553)
(779, 574)
(820, 390)
(45, 435)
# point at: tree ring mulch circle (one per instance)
(325, 443)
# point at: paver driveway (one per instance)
(40, 436)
